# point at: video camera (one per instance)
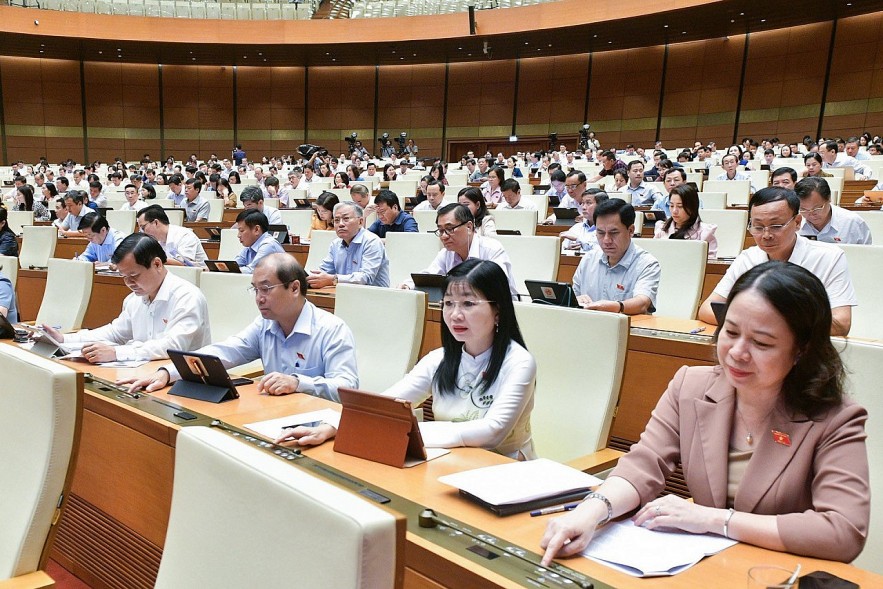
(384, 140)
(351, 141)
(307, 150)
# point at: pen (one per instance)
(697, 330)
(556, 509)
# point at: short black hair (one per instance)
(387, 197)
(510, 185)
(433, 182)
(251, 194)
(773, 194)
(144, 247)
(94, 222)
(557, 176)
(785, 170)
(196, 183)
(615, 206)
(254, 218)
(154, 213)
(78, 196)
(461, 212)
(813, 184)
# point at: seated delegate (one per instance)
(685, 222)
(482, 378)
(772, 449)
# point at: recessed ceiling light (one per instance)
(664, 26)
(763, 20)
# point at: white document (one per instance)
(518, 482)
(124, 363)
(272, 428)
(641, 552)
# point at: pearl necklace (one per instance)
(749, 437)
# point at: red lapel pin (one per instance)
(781, 438)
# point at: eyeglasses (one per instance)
(814, 211)
(264, 289)
(571, 187)
(449, 231)
(141, 226)
(773, 229)
(465, 306)
(340, 220)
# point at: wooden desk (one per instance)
(113, 530)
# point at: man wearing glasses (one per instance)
(825, 221)
(181, 244)
(774, 215)
(456, 230)
(303, 348)
(356, 256)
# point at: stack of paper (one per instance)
(521, 486)
(641, 552)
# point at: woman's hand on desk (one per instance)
(672, 512)
(571, 533)
(277, 383)
(154, 382)
(306, 436)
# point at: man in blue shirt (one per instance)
(390, 216)
(7, 300)
(102, 239)
(253, 226)
(303, 348)
(356, 256)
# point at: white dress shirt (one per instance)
(183, 245)
(845, 226)
(177, 319)
(524, 204)
(482, 248)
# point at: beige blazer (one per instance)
(818, 485)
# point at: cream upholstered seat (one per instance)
(425, 221)
(682, 265)
(405, 188)
(518, 220)
(572, 413)
(874, 219)
(9, 268)
(215, 209)
(123, 221)
(37, 246)
(865, 262)
(713, 200)
(362, 309)
(737, 190)
(39, 433)
(19, 219)
(242, 517)
(409, 253)
(271, 202)
(297, 220)
(230, 244)
(176, 217)
(231, 307)
(191, 274)
(731, 230)
(68, 289)
(320, 241)
(533, 258)
(864, 370)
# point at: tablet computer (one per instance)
(432, 284)
(378, 428)
(203, 377)
(720, 312)
(279, 233)
(651, 216)
(551, 293)
(565, 213)
(44, 344)
(214, 233)
(230, 266)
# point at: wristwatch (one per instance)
(334, 280)
(621, 307)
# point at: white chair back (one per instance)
(731, 230)
(409, 253)
(231, 307)
(123, 221)
(9, 269)
(176, 216)
(713, 200)
(682, 265)
(874, 219)
(737, 191)
(297, 220)
(271, 202)
(230, 244)
(864, 371)
(425, 220)
(37, 246)
(404, 188)
(320, 242)
(226, 539)
(518, 220)
(216, 209)
(189, 273)
(39, 431)
(17, 220)
(572, 414)
(68, 289)
(865, 262)
(533, 258)
(380, 367)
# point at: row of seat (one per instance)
(395, 8)
(202, 9)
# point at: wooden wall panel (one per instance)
(341, 100)
(551, 95)
(855, 91)
(197, 110)
(784, 82)
(411, 99)
(481, 99)
(624, 97)
(270, 109)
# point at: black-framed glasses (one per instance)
(449, 231)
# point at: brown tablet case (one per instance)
(377, 428)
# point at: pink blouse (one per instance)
(704, 232)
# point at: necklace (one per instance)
(749, 437)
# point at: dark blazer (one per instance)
(818, 486)
(8, 244)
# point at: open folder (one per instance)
(522, 486)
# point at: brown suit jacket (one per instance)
(818, 486)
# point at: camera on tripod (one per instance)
(384, 140)
(351, 141)
(401, 140)
(584, 137)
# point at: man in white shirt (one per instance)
(163, 312)
(80, 182)
(252, 197)
(456, 229)
(852, 150)
(75, 203)
(512, 200)
(833, 159)
(96, 194)
(133, 201)
(176, 191)
(825, 221)
(435, 193)
(303, 348)
(774, 223)
(731, 172)
(181, 244)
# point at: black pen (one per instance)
(556, 509)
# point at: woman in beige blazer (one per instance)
(773, 452)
